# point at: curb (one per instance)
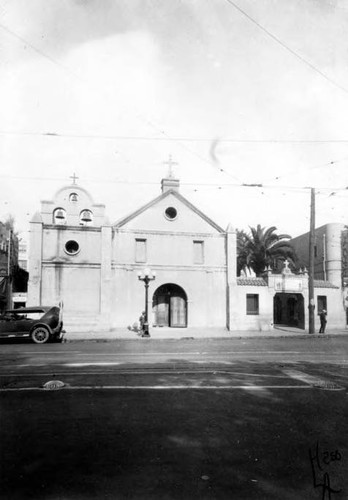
(237, 337)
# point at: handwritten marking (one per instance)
(326, 457)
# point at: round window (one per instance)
(171, 213)
(72, 247)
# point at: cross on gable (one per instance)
(74, 177)
(170, 164)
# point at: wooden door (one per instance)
(177, 311)
(162, 310)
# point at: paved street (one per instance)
(147, 419)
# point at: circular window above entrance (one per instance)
(171, 213)
(72, 247)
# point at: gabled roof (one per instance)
(153, 202)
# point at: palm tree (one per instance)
(262, 248)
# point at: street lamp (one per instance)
(146, 276)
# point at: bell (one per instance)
(59, 214)
(73, 197)
(86, 216)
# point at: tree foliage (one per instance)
(262, 248)
(9, 223)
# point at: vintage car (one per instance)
(41, 324)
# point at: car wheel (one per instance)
(40, 335)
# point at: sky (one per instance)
(237, 92)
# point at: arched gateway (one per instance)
(288, 310)
(169, 306)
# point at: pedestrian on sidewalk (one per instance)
(323, 321)
(141, 323)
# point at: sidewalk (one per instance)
(193, 333)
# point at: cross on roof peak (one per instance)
(170, 164)
(74, 177)
(286, 269)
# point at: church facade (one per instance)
(78, 258)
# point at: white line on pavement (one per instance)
(101, 363)
(313, 381)
(143, 354)
(160, 387)
(170, 372)
(45, 352)
(209, 353)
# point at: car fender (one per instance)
(41, 324)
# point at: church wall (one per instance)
(55, 238)
(186, 220)
(35, 264)
(171, 255)
(336, 314)
(73, 279)
(169, 248)
(205, 290)
(78, 274)
(240, 320)
(76, 285)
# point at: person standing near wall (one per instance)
(141, 323)
(323, 321)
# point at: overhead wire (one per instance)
(40, 52)
(150, 123)
(164, 136)
(171, 138)
(213, 185)
(287, 48)
(301, 168)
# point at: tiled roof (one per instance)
(251, 282)
(263, 282)
(323, 284)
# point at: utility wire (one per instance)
(164, 135)
(201, 184)
(287, 48)
(155, 127)
(40, 52)
(300, 169)
(182, 139)
(172, 138)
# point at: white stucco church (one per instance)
(91, 265)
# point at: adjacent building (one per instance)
(13, 279)
(330, 258)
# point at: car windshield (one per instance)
(23, 314)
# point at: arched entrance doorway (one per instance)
(288, 310)
(169, 306)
